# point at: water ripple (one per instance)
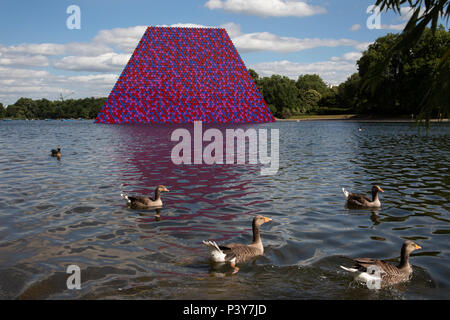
(54, 213)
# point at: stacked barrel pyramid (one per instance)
(182, 75)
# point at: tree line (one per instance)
(401, 86)
(26, 108)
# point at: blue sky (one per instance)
(41, 58)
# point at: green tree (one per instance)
(310, 101)
(312, 81)
(253, 74)
(349, 94)
(408, 77)
(425, 12)
(2, 111)
(281, 94)
(13, 111)
(43, 108)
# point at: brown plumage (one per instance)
(369, 269)
(360, 200)
(234, 253)
(57, 152)
(143, 202)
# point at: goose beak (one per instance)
(267, 219)
(165, 189)
(379, 189)
(418, 247)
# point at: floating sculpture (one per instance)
(182, 75)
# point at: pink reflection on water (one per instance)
(144, 153)
(217, 192)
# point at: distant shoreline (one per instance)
(355, 118)
(346, 118)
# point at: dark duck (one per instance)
(57, 152)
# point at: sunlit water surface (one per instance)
(54, 213)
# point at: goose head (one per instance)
(375, 190)
(162, 188)
(410, 246)
(256, 224)
(259, 220)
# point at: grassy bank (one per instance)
(355, 117)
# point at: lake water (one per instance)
(55, 213)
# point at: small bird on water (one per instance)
(57, 152)
(143, 202)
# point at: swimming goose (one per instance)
(57, 152)
(376, 273)
(360, 200)
(142, 202)
(234, 253)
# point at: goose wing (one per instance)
(385, 267)
(244, 252)
(357, 199)
(140, 199)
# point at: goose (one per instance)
(142, 202)
(234, 253)
(377, 273)
(360, 200)
(57, 152)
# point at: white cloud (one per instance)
(54, 49)
(18, 82)
(393, 26)
(233, 29)
(333, 71)
(37, 84)
(362, 46)
(125, 39)
(46, 49)
(23, 60)
(86, 48)
(355, 27)
(266, 8)
(405, 14)
(106, 79)
(265, 41)
(352, 56)
(34, 90)
(14, 73)
(106, 62)
(109, 51)
(185, 25)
